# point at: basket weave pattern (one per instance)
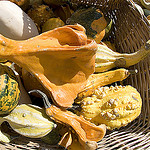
(131, 30)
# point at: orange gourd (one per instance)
(61, 59)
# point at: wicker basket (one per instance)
(131, 30)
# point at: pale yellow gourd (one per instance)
(107, 59)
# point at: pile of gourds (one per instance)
(59, 56)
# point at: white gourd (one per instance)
(15, 23)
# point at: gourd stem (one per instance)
(47, 104)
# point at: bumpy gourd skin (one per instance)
(113, 106)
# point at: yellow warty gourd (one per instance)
(113, 106)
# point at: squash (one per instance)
(30, 121)
(24, 4)
(146, 4)
(87, 132)
(55, 2)
(95, 24)
(102, 79)
(107, 59)
(52, 138)
(52, 23)
(63, 12)
(40, 14)
(113, 106)
(61, 59)
(15, 23)
(9, 90)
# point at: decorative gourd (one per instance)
(52, 23)
(102, 79)
(4, 137)
(107, 59)
(113, 106)
(75, 145)
(146, 4)
(30, 121)
(52, 138)
(9, 90)
(61, 59)
(40, 14)
(15, 23)
(24, 4)
(63, 12)
(92, 20)
(55, 2)
(87, 132)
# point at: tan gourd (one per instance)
(61, 59)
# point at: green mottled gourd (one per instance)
(30, 121)
(113, 106)
(107, 59)
(9, 90)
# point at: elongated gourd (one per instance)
(30, 121)
(87, 132)
(102, 79)
(61, 59)
(107, 59)
(113, 106)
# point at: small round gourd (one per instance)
(52, 23)
(9, 90)
(92, 20)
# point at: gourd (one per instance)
(52, 23)
(40, 14)
(9, 90)
(87, 132)
(95, 24)
(63, 12)
(113, 106)
(4, 137)
(102, 79)
(145, 4)
(30, 121)
(55, 2)
(24, 4)
(107, 59)
(61, 59)
(15, 23)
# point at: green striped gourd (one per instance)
(9, 90)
